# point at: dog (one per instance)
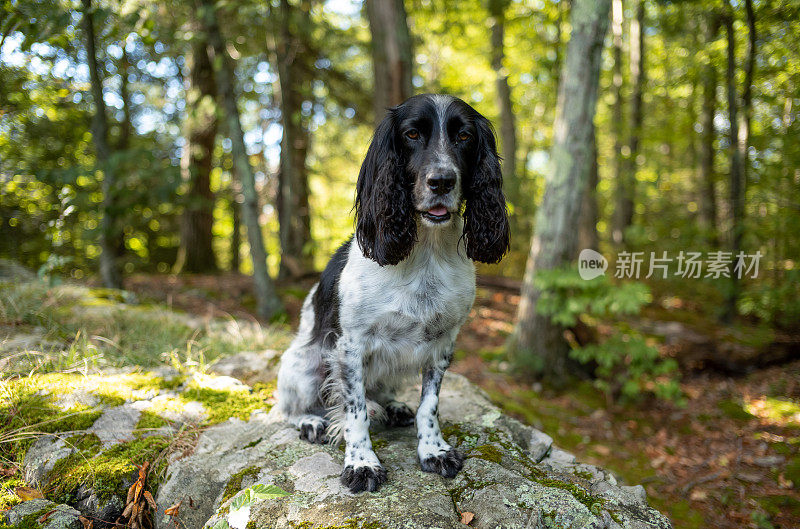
(389, 304)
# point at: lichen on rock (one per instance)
(512, 477)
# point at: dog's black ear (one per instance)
(485, 216)
(385, 227)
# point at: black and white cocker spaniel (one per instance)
(391, 301)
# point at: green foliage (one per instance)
(565, 296)
(257, 492)
(777, 303)
(625, 364)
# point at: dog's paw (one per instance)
(399, 414)
(447, 463)
(359, 479)
(313, 430)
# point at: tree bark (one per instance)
(110, 233)
(196, 253)
(508, 127)
(392, 58)
(538, 345)
(625, 208)
(739, 142)
(622, 198)
(708, 203)
(236, 234)
(587, 222)
(294, 216)
(267, 301)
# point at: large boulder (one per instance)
(258, 473)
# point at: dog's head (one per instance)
(429, 156)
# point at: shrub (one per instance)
(625, 364)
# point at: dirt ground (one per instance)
(728, 459)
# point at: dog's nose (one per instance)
(441, 184)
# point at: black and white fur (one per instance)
(392, 299)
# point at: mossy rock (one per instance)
(500, 482)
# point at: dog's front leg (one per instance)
(435, 455)
(362, 469)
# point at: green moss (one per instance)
(235, 482)
(792, 471)
(107, 471)
(734, 410)
(593, 503)
(7, 498)
(378, 443)
(582, 474)
(221, 405)
(250, 525)
(23, 408)
(150, 421)
(488, 452)
(351, 523)
(251, 444)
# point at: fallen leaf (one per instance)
(603, 450)
(698, 495)
(466, 517)
(28, 493)
(173, 510)
(128, 509)
(43, 518)
(150, 500)
(87, 523)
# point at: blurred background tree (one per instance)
(139, 137)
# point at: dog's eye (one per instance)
(412, 134)
(463, 136)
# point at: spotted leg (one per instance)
(362, 469)
(435, 455)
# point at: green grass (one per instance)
(91, 328)
(74, 332)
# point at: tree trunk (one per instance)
(508, 127)
(392, 58)
(294, 216)
(267, 301)
(236, 234)
(708, 203)
(538, 344)
(622, 191)
(739, 142)
(625, 208)
(196, 253)
(587, 222)
(110, 233)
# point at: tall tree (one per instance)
(110, 234)
(739, 142)
(538, 343)
(508, 126)
(625, 207)
(267, 301)
(294, 60)
(587, 220)
(708, 202)
(392, 57)
(622, 192)
(196, 253)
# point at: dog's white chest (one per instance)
(406, 310)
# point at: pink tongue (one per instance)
(438, 212)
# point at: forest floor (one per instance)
(728, 458)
